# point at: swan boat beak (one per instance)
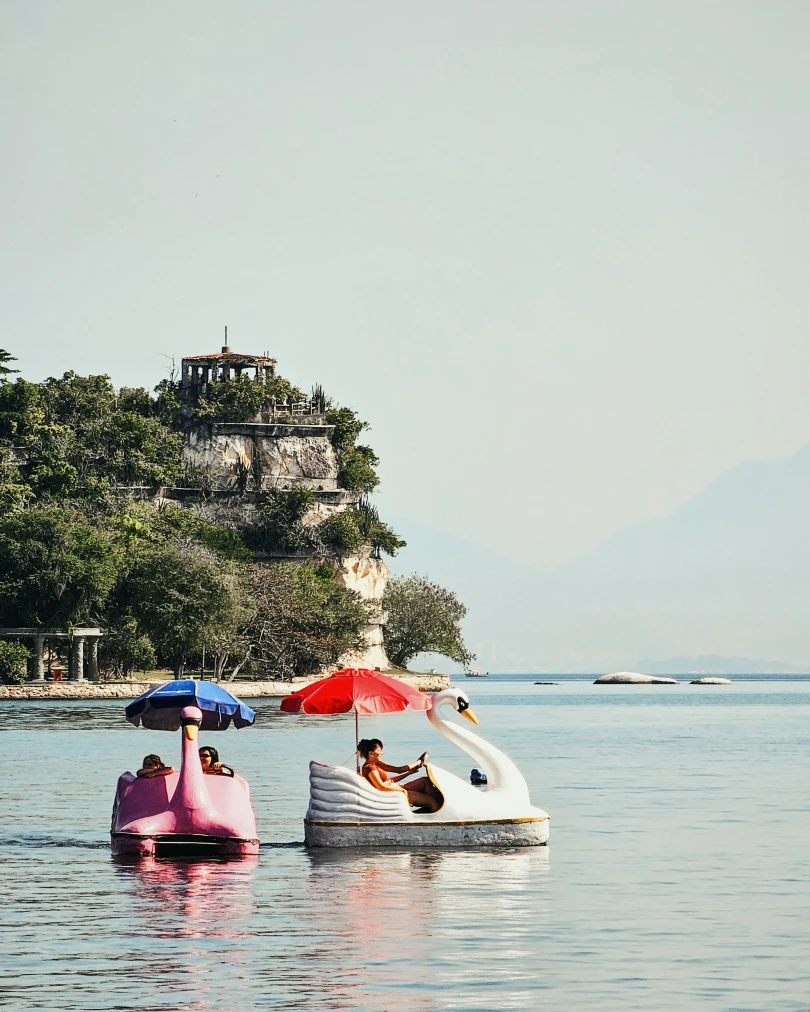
(190, 731)
(469, 715)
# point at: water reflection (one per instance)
(400, 926)
(192, 899)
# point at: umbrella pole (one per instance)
(356, 739)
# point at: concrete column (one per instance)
(195, 375)
(39, 658)
(92, 660)
(78, 658)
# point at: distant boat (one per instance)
(476, 674)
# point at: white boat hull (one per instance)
(532, 832)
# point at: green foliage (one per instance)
(56, 566)
(76, 400)
(355, 463)
(5, 358)
(21, 410)
(349, 530)
(14, 491)
(129, 449)
(280, 526)
(178, 592)
(379, 535)
(423, 618)
(141, 524)
(78, 437)
(137, 400)
(303, 619)
(167, 403)
(340, 533)
(240, 400)
(13, 661)
(126, 648)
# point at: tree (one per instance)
(57, 565)
(422, 618)
(181, 593)
(303, 618)
(5, 358)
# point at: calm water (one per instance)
(677, 876)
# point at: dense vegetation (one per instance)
(84, 540)
(170, 586)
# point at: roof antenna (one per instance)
(225, 347)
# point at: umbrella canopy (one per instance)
(364, 691)
(159, 708)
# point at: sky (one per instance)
(556, 254)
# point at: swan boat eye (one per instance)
(462, 705)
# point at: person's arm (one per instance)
(160, 771)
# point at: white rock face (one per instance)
(298, 459)
(368, 576)
(710, 681)
(634, 678)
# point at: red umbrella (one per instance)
(356, 689)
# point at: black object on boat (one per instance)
(477, 777)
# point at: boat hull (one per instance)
(180, 845)
(532, 832)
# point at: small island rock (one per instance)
(710, 681)
(634, 678)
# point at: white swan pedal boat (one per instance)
(346, 811)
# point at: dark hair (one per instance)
(151, 761)
(366, 745)
(212, 752)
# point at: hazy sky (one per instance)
(556, 253)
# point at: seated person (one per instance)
(209, 760)
(153, 767)
(422, 793)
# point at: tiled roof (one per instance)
(231, 358)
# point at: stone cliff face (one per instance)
(284, 454)
(287, 455)
(368, 576)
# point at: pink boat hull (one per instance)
(186, 813)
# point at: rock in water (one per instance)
(710, 681)
(634, 678)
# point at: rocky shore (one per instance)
(132, 689)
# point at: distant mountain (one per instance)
(728, 574)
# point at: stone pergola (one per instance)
(76, 637)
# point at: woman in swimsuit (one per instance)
(421, 793)
(209, 760)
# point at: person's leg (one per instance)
(423, 800)
(424, 785)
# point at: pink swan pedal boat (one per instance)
(185, 814)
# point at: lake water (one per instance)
(677, 877)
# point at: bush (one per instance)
(13, 661)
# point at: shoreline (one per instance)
(244, 690)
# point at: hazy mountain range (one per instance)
(727, 575)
